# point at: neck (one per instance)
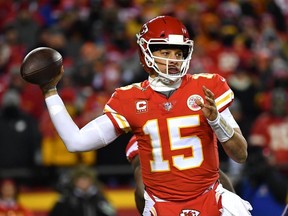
(157, 85)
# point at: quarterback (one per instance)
(176, 117)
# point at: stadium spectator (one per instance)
(269, 131)
(82, 196)
(9, 204)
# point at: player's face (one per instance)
(169, 61)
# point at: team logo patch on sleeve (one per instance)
(192, 104)
(141, 106)
(188, 212)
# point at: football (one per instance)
(41, 65)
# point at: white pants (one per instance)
(232, 204)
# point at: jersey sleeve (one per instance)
(121, 107)
(224, 96)
(132, 148)
(114, 110)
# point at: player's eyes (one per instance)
(170, 54)
(164, 53)
(179, 55)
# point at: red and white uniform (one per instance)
(230, 203)
(176, 143)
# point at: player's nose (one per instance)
(173, 55)
(173, 59)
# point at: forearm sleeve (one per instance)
(96, 134)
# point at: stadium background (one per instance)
(245, 41)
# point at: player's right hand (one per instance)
(50, 87)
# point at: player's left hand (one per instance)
(209, 108)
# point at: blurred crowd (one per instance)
(246, 41)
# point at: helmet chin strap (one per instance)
(168, 81)
(162, 84)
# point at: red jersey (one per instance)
(177, 147)
(131, 149)
(271, 133)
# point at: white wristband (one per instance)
(221, 128)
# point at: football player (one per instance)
(177, 118)
(133, 158)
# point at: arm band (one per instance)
(221, 128)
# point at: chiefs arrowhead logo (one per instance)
(189, 212)
(192, 104)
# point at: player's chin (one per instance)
(171, 80)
